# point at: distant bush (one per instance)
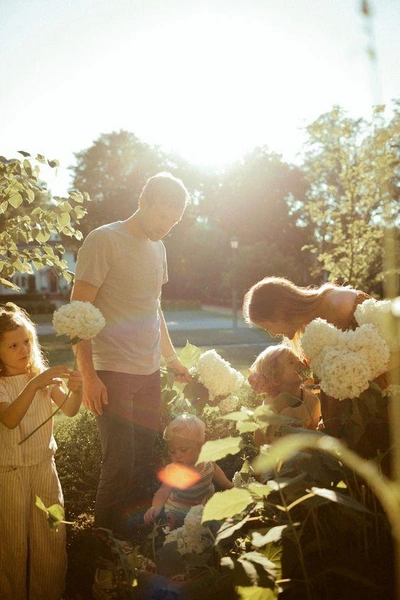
(78, 462)
(33, 303)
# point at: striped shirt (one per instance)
(181, 501)
(39, 446)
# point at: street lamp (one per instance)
(234, 247)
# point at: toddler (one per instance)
(185, 436)
(32, 556)
(276, 372)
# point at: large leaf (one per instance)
(226, 504)
(217, 449)
(189, 355)
(339, 498)
(255, 592)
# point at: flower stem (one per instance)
(48, 418)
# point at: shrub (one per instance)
(78, 462)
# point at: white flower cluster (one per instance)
(378, 313)
(345, 361)
(192, 537)
(217, 375)
(79, 320)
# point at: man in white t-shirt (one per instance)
(121, 268)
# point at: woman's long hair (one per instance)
(12, 317)
(277, 298)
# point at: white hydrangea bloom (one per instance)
(229, 404)
(368, 342)
(192, 537)
(345, 374)
(378, 313)
(217, 375)
(79, 320)
(317, 335)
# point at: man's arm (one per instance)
(94, 390)
(169, 353)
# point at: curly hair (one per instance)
(11, 318)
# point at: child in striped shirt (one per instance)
(32, 556)
(185, 484)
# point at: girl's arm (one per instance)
(73, 402)
(159, 500)
(12, 414)
(221, 479)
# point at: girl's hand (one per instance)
(74, 383)
(51, 376)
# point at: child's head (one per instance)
(19, 346)
(185, 436)
(280, 368)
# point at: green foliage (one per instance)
(78, 462)
(29, 217)
(352, 169)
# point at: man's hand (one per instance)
(181, 372)
(94, 394)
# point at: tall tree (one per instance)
(349, 164)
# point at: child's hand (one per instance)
(74, 383)
(257, 382)
(51, 376)
(151, 514)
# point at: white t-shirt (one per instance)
(129, 272)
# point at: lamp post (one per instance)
(234, 247)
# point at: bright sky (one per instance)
(210, 79)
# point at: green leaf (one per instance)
(189, 355)
(216, 449)
(339, 498)
(247, 427)
(15, 200)
(255, 593)
(53, 163)
(55, 513)
(64, 219)
(23, 153)
(273, 535)
(226, 504)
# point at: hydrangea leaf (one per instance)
(226, 504)
(217, 449)
(189, 355)
(255, 593)
(55, 513)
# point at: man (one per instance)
(121, 268)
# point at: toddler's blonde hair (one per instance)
(186, 426)
(268, 364)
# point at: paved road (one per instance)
(202, 327)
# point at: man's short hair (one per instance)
(166, 188)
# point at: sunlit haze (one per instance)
(208, 80)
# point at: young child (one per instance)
(276, 372)
(32, 556)
(185, 436)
